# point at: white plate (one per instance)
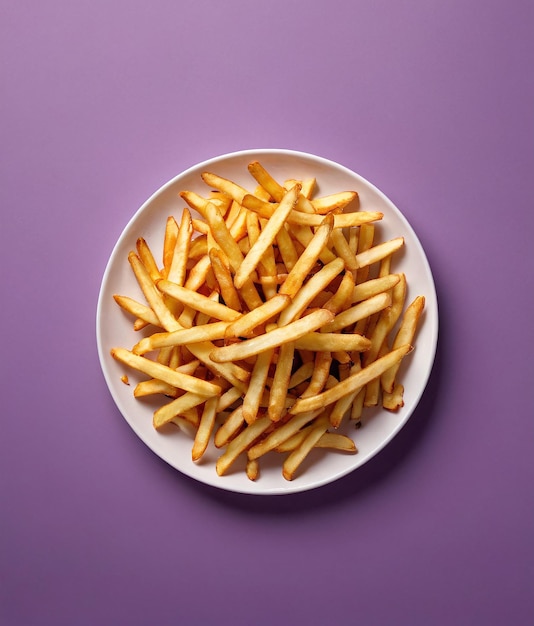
(114, 327)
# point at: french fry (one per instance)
(279, 387)
(240, 444)
(198, 302)
(205, 428)
(332, 342)
(273, 339)
(246, 324)
(352, 383)
(164, 373)
(404, 335)
(182, 337)
(177, 407)
(266, 238)
(256, 387)
(296, 458)
(308, 258)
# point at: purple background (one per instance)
(102, 102)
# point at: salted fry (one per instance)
(164, 373)
(198, 302)
(280, 385)
(273, 339)
(353, 382)
(404, 335)
(246, 324)
(205, 428)
(176, 407)
(332, 342)
(241, 443)
(137, 309)
(266, 238)
(225, 281)
(256, 387)
(379, 252)
(296, 458)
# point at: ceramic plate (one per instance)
(114, 327)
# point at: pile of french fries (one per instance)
(273, 318)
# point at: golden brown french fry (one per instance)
(332, 342)
(303, 373)
(147, 258)
(182, 337)
(180, 253)
(253, 469)
(240, 444)
(342, 298)
(164, 373)
(315, 285)
(379, 251)
(308, 258)
(153, 296)
(359, 311)
(296, 458)
(374, 286)
(404, 335)
(393, 400)
(334, 201)
(198, 302)
(319, 377)
(350, 384)
(230, 188)
(280, 434)
(256, 386)
(205, 428)
(262, 176)
(137, 309)
(176, 407)
(228, 430)
(341, 246)
(273, 339)
(169, 243)
(246, 324)
(266, 238)
(279, 387)
(225, 281)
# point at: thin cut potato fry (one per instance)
(332, 342)
(168, 375)
(256, 387)
(279, 387)
(374, 286)
(404, 335)
(275, 318)
(273, 339)
(224, 279)
(379, 252)
(182, 337)
(198, 302)
(147, 258)
(205, 428)
(175, 407)
(266, 238)
(279, 435)
(355, 381)
(308, 258)
(240, 444)
(245, 325)
(295, 459)
(137, 309)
